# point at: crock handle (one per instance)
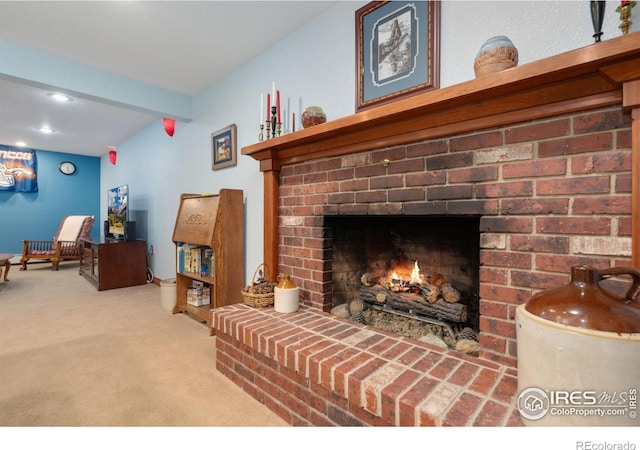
(632, 293)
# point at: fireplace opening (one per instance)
(408, 274)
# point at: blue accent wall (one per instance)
(37, 215)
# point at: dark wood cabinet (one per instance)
(113, 264)
(214, 223)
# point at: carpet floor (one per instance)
(75, 357)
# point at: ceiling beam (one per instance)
(44, 70)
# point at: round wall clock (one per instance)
(67, 168)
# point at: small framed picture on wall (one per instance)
(223, 148)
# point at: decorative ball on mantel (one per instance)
(496, 54)
(313, 115)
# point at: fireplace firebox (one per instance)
(409, 266)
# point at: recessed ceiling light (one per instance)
(21, 144)
(57, 96)
(46, 130)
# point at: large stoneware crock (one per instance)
(579, 353)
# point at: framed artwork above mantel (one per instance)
(397, 51)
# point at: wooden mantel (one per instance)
(602, 74)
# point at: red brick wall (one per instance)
(550, 194)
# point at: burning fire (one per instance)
(413, 279)
(432, 287)
(415, 273)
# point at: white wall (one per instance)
(314, 66)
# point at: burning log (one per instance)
(373, 295)
(369, 279)
(449, 293)
(439, 309)
(437, 279)
(429, 291)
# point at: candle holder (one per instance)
(597, 17)
(273, 123)
(625, 12)
(272, 126)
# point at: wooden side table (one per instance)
(4, 260)
(113, 264)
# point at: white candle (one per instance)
(273, 90)
(261, 108)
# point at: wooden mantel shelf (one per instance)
(585, 78)
(601, 74)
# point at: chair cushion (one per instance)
(87, 225)
(42, 252)
(71, 228)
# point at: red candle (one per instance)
(293, 123)
(268, 107)
(278, 104)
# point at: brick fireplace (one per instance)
(540, 156)
(547, 194)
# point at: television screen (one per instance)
(118, 212)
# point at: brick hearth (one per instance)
(312, 368)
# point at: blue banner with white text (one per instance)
(18, 170)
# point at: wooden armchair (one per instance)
(63, 247)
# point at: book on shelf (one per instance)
(193, 258)
(180, 257)
(196, 259)
(207, 263)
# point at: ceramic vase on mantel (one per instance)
(313, 115)
(496, 54)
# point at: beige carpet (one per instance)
(73, 356)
